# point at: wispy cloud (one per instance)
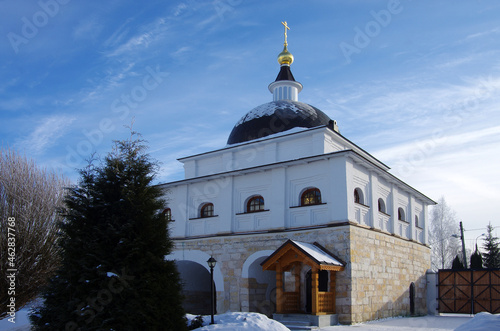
(455, 62)
(13, 104)
(150, 33)
(483, 33)
(418, 151)
(113, 77)
(88, 28)
(457, 166)
(45, 134)
(118, 35)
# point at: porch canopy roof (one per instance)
(313, 255)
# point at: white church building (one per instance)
(299, 219)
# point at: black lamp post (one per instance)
(211, 263)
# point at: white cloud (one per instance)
(13, 104)
(408, 157)
(118, 35)
(45, 135)
(87, 29)
(482, 34)
(460, 167)
(150, 33)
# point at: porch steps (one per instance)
(297, 322)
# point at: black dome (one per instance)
(275, 117)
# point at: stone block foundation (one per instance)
(375, 283)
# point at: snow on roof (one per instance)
(269, 109)
(274, 135)
(317, 253)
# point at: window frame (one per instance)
(167, 213)
(249, 205)
(204, 213)
(317, 197)
(359, 196)
(401, 215)
(383, 205)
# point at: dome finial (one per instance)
(285, 57)
(286, 28)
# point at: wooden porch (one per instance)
(291, 257)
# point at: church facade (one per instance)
(299, 220)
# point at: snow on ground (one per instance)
(430, 322)
(481, 322)
(22, 321)
(241, 322)
(258, 322)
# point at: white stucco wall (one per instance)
(281, 184)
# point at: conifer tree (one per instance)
(476, 260)
(491, 249)
(113, 274)
(457, 264)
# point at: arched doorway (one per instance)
(412, 299)
(261, 288)
(195, 281)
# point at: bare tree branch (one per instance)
(443, 225)
(31, 196)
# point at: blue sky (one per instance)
(415, 83)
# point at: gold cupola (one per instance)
(285, 57)
(285, 87)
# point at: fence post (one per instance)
(472, 292)
(432, 292)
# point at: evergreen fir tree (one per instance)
(476, 260)
(113, 274)
(491, 249)
(457, 264)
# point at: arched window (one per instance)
(358, 196)
(416, 221)
(207, 210)
(381, 205)
(401, 214)
(168, 214)
(310, 196)
(255, 204)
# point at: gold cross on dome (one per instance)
(286, 28)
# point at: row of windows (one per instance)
(255, 204)
(311, 196)
(358, 198)
(206, 210)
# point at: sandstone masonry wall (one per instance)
(374, 284)
(382, 268)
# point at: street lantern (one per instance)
(482, 234)
(211, 263)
